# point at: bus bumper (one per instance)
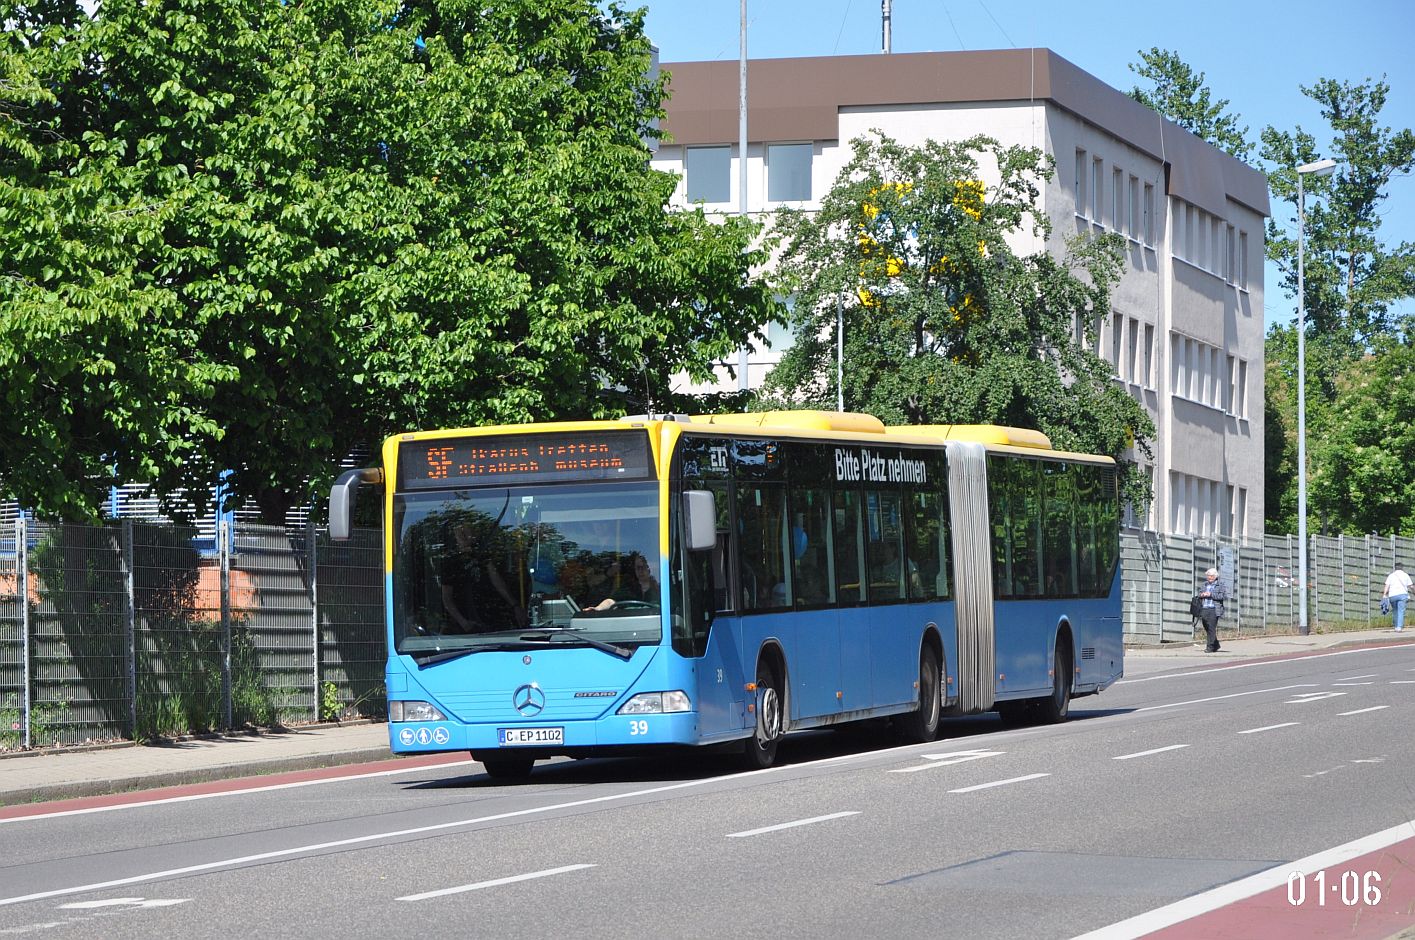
(613, 733)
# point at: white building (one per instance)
(1186, 328)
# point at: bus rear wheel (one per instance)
(922, 726)
(508, 768)
(1055, 707)
(760, 749)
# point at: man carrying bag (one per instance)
(1210, 597)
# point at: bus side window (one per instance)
(999, 513)
(765, 574)
(1059, 552)
(810, 516)
(848, 574)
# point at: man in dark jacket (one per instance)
(1212, 593)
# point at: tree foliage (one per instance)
(1361, 477)
(1356, 348)
(1351, 277)
(943, 321)
(1179, 93)
(251, 235)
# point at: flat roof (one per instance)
(801, 98)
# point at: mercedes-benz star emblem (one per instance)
(529, 700)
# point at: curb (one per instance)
(234, 771)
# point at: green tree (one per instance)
(1351, 277)
(251, 235)
(1178, 93)
(1362, 479)
(943, 321)
(1353, 280)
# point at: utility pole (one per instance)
(887, 12)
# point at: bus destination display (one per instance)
(523, 458)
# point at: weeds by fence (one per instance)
(131, 631)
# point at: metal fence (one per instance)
(1345, 577)
(141, 631)
(137, 630)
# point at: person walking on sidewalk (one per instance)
(1212, 593)
(1397, 591)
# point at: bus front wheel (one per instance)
(760, 750)
(508, 768)
(922, 726)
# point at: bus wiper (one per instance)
(547, 633)
(441, 656)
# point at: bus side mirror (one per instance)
(341, 499)
(700, 519)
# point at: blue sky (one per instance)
(1253, 52)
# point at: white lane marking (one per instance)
(494, 883)
(1304, 697)
(1362, 711)
(998, 783)
(1158, 750)
(1285, 724)
(1369, 675)
(391, 834)
(237, 792)
(947, 760)
(1218, 698)
(1402, 682)
(1261, 662)
(1353, 683)
(1171, 914)
(791, 825)
(123, 902)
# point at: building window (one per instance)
(788, 172)
(1097, 190)
(1132, 357)
(1190, 231)
(1117, 189)
(709, 172)
(1243, 260)
(1080, 182)
(1149, 210)
(1240, 402)
(1117, 329)
(1147, 371)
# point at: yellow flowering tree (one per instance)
(944, 322)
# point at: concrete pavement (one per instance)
(64, 773)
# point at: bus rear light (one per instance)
(414, 711)
(656, 703)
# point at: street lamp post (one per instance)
(1319, 168)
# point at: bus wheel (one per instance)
(922, 726)
(508, 768)
(1057, 706)
(760, 750)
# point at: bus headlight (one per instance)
(414, 711)
(656, 703)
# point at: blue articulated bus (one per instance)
(616, 587)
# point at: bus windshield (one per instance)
(526, 566)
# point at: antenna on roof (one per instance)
(885, 14)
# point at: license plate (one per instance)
(519, 737)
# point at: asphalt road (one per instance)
(1178, 779)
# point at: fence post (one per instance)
(130, 633)
(223, 550)
(22, 570)
(311, 534)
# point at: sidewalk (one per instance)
(65, 773)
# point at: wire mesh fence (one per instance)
(137, 630)
(143, 631)
(1345, 576)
